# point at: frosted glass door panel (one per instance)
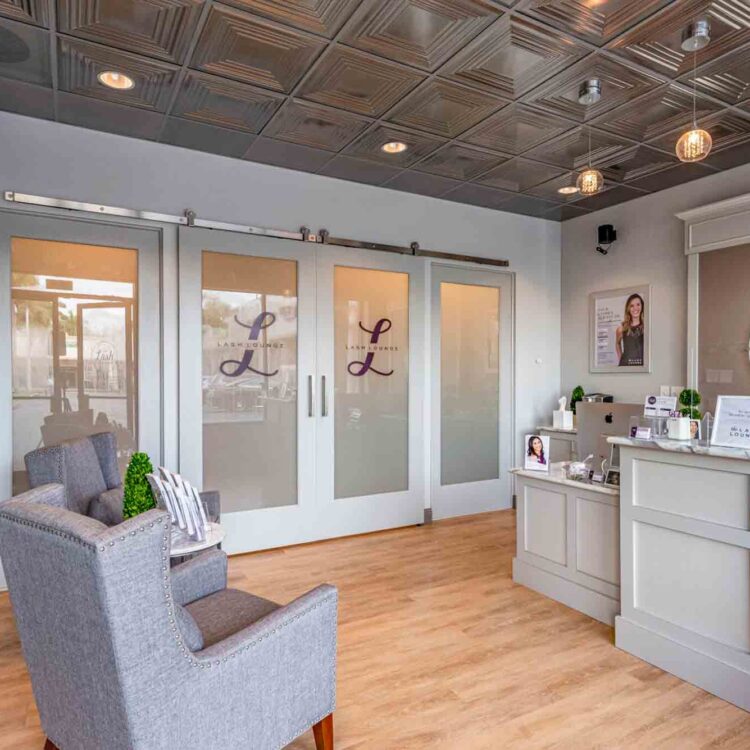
(470, 385)
(371, 351)
(73, 345)
(249, 383)
(724, 324)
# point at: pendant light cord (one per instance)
(695, 57)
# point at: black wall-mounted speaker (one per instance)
(607, 234)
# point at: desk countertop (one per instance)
(696, 447)
(556, 475)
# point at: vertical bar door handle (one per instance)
(323, 399)
(310, 397)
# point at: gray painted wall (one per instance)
(649, 247)
(57, 160)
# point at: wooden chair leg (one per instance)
(49, 745)
(323, 732)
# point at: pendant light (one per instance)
(591, 180)
(695, 144)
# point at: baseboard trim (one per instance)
(717, 677)
(571, 594)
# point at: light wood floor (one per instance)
(438, 648)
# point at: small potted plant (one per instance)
(689, 401)
(137, 495)
(575, 397)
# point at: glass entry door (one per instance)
(471, 391)
(247, 382)
(298, 395)
(370, 370)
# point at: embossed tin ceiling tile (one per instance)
(620, 83)
(517, 128)
(528, 206)
(25, 99)
(324, 17)
(369, 145)
(352, 80)
(726, 129)
(656, 42)
(550, 189)
(519, 175)
(315, 126)
(158, 28)
(563, 213)
(477, 195)
(421, 183)
(24, 53)
(422, 33)
(611, 197)
(288, 155)
(460, 162)
(727, 78)
(358, 170)
(671, 177)
(445, 108)
(597, 21)
(511, 57)
(228, 104)
(79, 63)
(654, 114)
(29, 11)
(571, 150)
(633, 163)
(202, 137)
(251, 49)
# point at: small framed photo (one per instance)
(536, 453)
(613, 478)
(695, 429)
(620, 330)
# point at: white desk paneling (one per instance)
(598, 540)
(714, 495)
(545, 524)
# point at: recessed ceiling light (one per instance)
(590, 91)
(394, 147)
(696, 36)
(567, 190)
(114, 80)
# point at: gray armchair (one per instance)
(87, 468)
(125, 654)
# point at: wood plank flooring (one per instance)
(438, 648)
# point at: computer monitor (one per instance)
(597, 422)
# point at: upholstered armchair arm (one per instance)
(316, 611)
(204, 574)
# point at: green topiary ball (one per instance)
(690, 398)
(137, 495)
(575, 397)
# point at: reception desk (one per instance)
(567, 541)
(685, 562)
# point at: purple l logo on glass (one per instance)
(240, 365)
(360, 368)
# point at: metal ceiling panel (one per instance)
(29, 11)
(563, 213)
(358, 170)
(24, 53)
(79, 63)
(727, 130)
(422, 33)
(288, 155)
(620, 83)
(727, 79)
(632, 163)
(656, 43)
(672, 177)
(519, 175)
(421, 183)
(324, 17)
(655, 114)
(444, 108)
(511, 57)
(315, 126)
(25, 99)
(254, 50)
(460, 162)
(550, 189)
(571, 150)
(157, 28)
(368, 146)
(228, 104)
(528, 206)
(202, 137)
(610, 197)
(478, 195)
(358, 82)
(597, 21)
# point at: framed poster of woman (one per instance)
(620, 330)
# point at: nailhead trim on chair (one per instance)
(170, 609)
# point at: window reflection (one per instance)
(73, 346)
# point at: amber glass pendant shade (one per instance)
(695, 145)
(590, 181)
